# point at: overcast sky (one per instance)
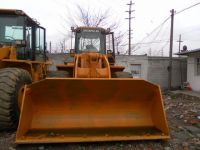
(148, 15)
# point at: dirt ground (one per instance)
(183, 115)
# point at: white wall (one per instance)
(126, 61)
(158, 72)
(192, 78)
(154, 69)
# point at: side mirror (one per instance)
(72, 52)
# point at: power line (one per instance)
(155, 37)
(160, 27)
(187, 8)
(153, 42)
(144, 43)
(155, 29)
(157, 34)
(169, 18)
(166, 43)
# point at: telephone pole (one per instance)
(64, 45)
(129, 18)
(171, 50)
(179, 45)
(179, 50)
(50, 47)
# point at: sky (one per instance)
(52, 14)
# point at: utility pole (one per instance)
(179, 45)
(171, 50)
(149, 51)
(109, 41)
(71, 38)
(162, 53)
(64, 45)
(129, 18)
(179, 50)
(50, 47)
(117, 48)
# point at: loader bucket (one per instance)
(87, 110)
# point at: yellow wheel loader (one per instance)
(22, 61)
(94, 100)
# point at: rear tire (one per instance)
(11, 81)
(122, 75)
(59, 73)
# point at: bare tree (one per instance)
(94, 18)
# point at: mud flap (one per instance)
(85, 110)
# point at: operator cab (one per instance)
(19, 29)
(93, 39)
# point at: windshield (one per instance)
(11, 28)
(90, 40)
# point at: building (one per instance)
(193, 68)
(155, 69)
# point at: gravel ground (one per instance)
(182, 115)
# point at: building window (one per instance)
(198, 66)
(136, 70)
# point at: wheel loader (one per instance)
(22, 61)
(91, 99)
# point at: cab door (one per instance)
(40, 45)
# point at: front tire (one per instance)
(122, 74)
(11, 81)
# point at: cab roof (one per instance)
(91, 28)
(17, 12)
